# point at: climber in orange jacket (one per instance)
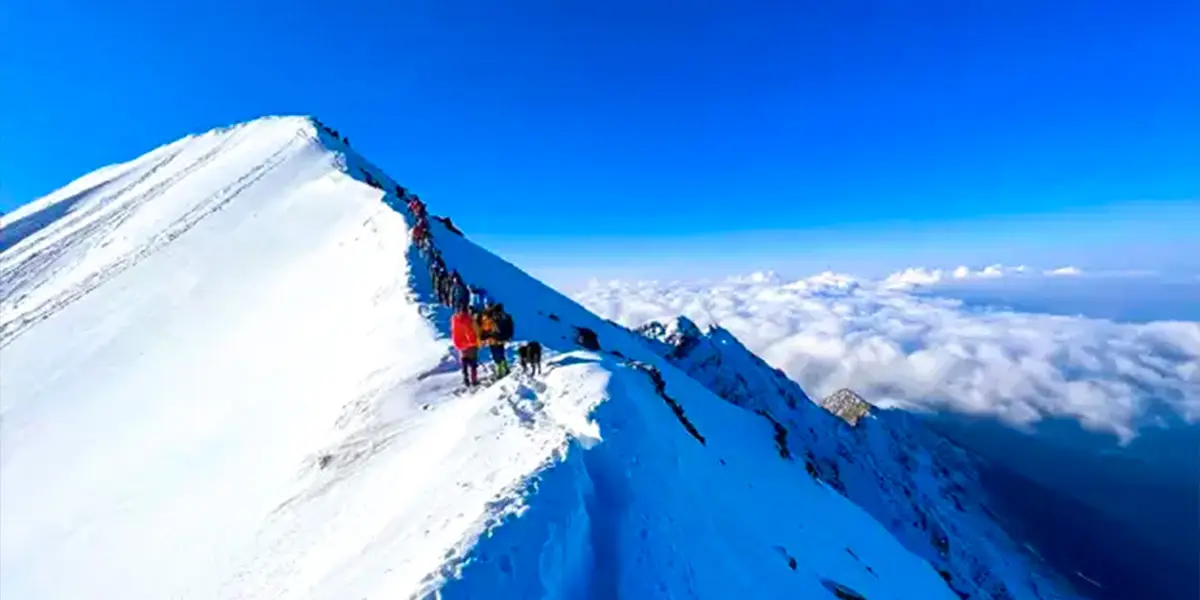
(465, 335)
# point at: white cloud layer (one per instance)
(900, 349)
(919, 276)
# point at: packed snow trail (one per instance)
(171, 420)
(222, 377)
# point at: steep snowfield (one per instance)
(222, 377)
(923, 487)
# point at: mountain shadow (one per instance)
(1125, 517)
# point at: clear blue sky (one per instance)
(792, 132)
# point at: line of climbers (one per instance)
(477, 321)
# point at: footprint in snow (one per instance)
(525, 404)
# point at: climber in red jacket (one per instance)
(416, 207)
(465, 334)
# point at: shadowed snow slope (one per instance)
(222, 377)
(924, 488)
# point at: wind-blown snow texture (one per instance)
(223, 377)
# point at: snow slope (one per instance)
(222, 376)
(922, 486)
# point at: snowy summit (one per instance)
(227, 373)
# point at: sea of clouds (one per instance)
(918, 276)
(899, 345)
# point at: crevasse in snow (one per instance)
(224, 376)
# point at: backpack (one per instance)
(504, 326)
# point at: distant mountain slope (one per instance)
(924, 488)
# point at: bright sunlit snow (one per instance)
(223, 377)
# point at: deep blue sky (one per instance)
(850, 134)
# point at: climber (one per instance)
(426, 240)
(437, 273)
(400, 191)
(466, 340)
(458, 291)
(416, 207)
(479, 299)
(504, 334)
(419, 233)
(436, 279)
(530, 354)
(443, 279)
(491, 335)
(444, 289)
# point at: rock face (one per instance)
(847, 405)
(924, 488)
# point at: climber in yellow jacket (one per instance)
(495, 328)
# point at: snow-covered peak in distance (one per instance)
(923, 487)
(224, 375)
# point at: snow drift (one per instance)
(224, 376)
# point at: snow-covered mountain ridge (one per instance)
(923, 487)
(224, 375)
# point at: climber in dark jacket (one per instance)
(437, 273)
(458, 291)
(446, 292)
